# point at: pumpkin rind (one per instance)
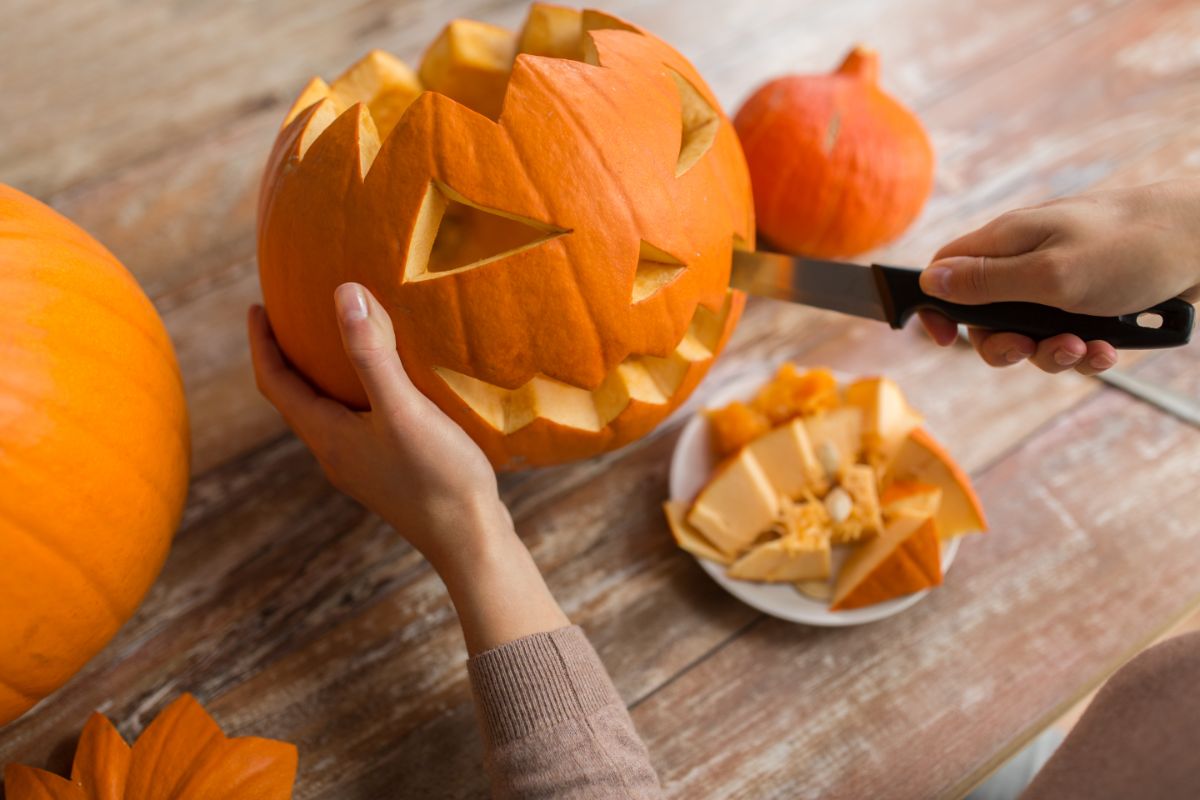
(93, 449)
(562, 156)
(838, 166)
(913, 563)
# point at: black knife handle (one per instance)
(901, 292)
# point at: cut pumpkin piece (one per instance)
(801, 554)
(470, 62)
(905, 558)
(922, 459)
(887, 417)
(786, 560)
(737, 505)
(910, 498)
(793, 394)
(865, 519)
(788, 461)
(733, 427)
(687, 537)
(836, 437)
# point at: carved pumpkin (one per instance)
(838, 166)
(182, 755)
(551, 233)
(93, 449)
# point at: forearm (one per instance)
(496, 588)
(553, 724)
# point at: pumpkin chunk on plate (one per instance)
(843, 496)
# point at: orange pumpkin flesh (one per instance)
(182, 755)
(854, 462)
(556, 267)
(93, 449)
(838, 166)
(922, 458)
(905, 558)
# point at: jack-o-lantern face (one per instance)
(551, 234)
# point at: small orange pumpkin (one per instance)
(182, 755)
(838, 166)
(549, 222)
(93, 449)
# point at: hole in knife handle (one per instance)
(1149, 319)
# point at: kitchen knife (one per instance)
(893, 294)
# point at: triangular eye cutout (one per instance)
(655, 269)
(700, 124)
(454, 235)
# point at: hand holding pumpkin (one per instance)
(1106, 253)
(410, 463)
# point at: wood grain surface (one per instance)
(293, 613)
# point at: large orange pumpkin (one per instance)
(838, 166)
(551, 232)
(93, 449)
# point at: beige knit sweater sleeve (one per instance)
(554, 725)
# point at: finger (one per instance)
(1002, 348)
(1009, 234)
(370, 343)
(305, 410)
(1100, 356)
(1059, 353)
(942, 329)
(1043, 276)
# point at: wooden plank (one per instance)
(281, 595)
(155, 215)
(1093, 550)
(294, 614)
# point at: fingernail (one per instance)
(936, 281)
(1015, 355)
(1065, 358)
(351, 302)
(1101, 362)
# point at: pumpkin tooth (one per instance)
(553, 32)
(318, 121)
(470, 62)
(641, 378)
(368, 140)
(703, 335)
(314, 91)
(384, 83)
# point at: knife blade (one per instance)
(893, 294)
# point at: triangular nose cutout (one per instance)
(655, 269)
(454, 235)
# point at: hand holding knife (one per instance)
(893, 294)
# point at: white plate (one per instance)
(691, 465)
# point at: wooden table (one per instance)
(293, 613)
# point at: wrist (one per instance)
(459, 535)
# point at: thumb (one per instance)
(370, 344)
(982, 279)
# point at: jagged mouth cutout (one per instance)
(453, 234)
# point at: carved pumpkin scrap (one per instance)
(93, 449)
(182, 755)
(550, 232)
(845, 497)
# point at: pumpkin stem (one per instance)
(862, 62)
